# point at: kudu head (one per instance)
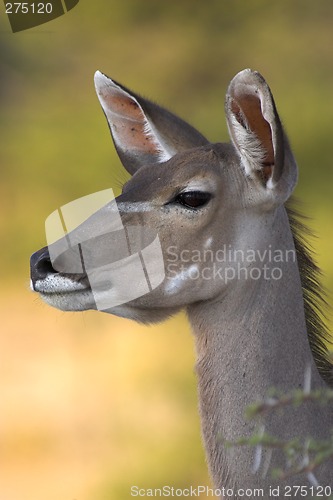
(186, 196)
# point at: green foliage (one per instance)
(302, 455)
(296, 398)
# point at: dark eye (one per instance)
(193, 199)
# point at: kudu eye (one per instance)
(193, 199)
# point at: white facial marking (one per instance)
(174, 284)
(199, 185)
(54, 283)
(208, 242)
(135, 206)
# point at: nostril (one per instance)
(40, 265)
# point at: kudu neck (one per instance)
(261, 311)
(250, 339)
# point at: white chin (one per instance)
(64, 293)
(70, 301)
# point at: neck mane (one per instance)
(313, 294)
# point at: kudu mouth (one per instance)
(42, 270)
(98, 271)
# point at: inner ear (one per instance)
(246, 108)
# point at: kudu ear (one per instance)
(256, 132)
(143, 132)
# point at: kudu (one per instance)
(239, 268)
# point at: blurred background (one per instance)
(92, 404)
